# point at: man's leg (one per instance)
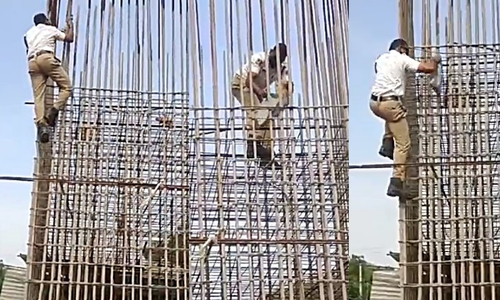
(394, 114)
(258, 140)
(401, 135)
(39, 84)
(267, 152)
(53, 68)
(387, 148)
(253, 133)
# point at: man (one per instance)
(40, 43)
(391, 69)
(250, 86)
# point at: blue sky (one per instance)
(17, 134)
(373, 230)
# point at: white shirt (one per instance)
(257, 65)
(390, 78)
(43, 38)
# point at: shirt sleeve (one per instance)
(375, 64)
(409, 63)
(255, 65)
(60, 36)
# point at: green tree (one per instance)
(355, 263)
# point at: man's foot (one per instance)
(266, 158)
(250, 150)
(262, 152)
(52, 117)
(387, 148)
(265, 155)
(269, 165)
(43, 134)
(396, 188)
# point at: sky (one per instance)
(17, 133)
(373, 216)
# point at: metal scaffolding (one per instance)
(449, 234)
(146, 191)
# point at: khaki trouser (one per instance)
(262, 133)
(394, 114)
(41, 68)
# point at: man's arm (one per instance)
(26, 44)
(284, 72)
(426, 66)
(285, 86)
(375, 64)
(68, 35)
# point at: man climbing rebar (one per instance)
(386, 103)
(250, 86)
(40, 43)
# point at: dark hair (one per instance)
(282, 50)
(40, 19)
(398, 43)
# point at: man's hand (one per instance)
(69, 24)
(69, 32)
(261, 93)
(437, 58)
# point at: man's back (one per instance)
(390, 71)
(42, 38)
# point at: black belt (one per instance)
(386, 98)
(39, 53)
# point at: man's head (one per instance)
(400, 45)
(273, 55)
(41, 19)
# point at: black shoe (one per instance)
(52, 117)
(266, 158)
(250, 150)
(270, 164)
(262, 152)
(43, 134)
(395, 188)
(387, 148)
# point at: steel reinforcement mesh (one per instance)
(145, 192)
(456, 252)
(271, 233)
(116, 208)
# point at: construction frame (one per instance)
(145, 191)
(449, 233)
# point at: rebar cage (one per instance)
(276, 232)
(449, 233)
(145, 191)
(456, 248)
(117, 190)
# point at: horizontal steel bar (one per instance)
(429, 164)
